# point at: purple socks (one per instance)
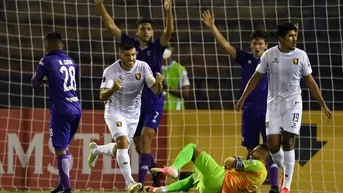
(273, 173)
(63, 166)
(146, 162)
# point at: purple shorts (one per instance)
(253, 125)
(150, 117)
(62, 129)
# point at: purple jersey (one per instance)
(258, 98)
(153, 56)
(62, 73)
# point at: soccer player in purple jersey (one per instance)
(65, 109)
(150, 51)
(254, 111)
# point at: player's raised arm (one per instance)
(37, 78)
(208, 19)
(108, 21)
(168, 31)
(312, 85)
(109, 86)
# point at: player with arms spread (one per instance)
(237, 175)
(121, 88)
(65, 109)
(254, 109)
(152, 105)
(285, 65)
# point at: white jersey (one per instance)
(285, 71)
(126, 101)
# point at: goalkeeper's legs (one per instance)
(188, 153)
(183, 185)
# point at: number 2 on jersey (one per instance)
(69, 78)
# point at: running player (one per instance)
(121, 88)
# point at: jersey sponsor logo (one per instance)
(295, 61)
(267, 124)
(119, 123)
(138, 76)
(275, 60)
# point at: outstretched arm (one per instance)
(168, 31)
(254, 80)
(208, 19)
(108, 21)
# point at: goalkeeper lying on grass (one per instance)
(237, 175)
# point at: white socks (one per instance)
(123, 160)
(104, 149)
(289, 162)
(278, 158)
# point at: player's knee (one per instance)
(122, 142)
(60, 152)
(148, 132)
(288, 141)
(274, 143)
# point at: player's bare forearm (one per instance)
(157, 88)
(168, 31)
(223, 42)
(312, 85)
(254, 80)
(180, 93)
(108, 21)
(106, 93)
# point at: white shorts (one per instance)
(121, 126)
(287, 118)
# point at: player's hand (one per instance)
(208, 18)
(167, 4)
(239, 104)
(97, 2)
(328, 113)
(297, 26)
(159, 78)
(118, 84)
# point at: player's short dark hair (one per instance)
(144, 20)
(126, 46)
(283, 29)
(259, 33)
(53, 37)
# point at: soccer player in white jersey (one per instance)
(285, 65)
(121, 88)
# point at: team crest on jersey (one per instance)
(138, 76)
(295, 61)
(119, 123)
(267, 124)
